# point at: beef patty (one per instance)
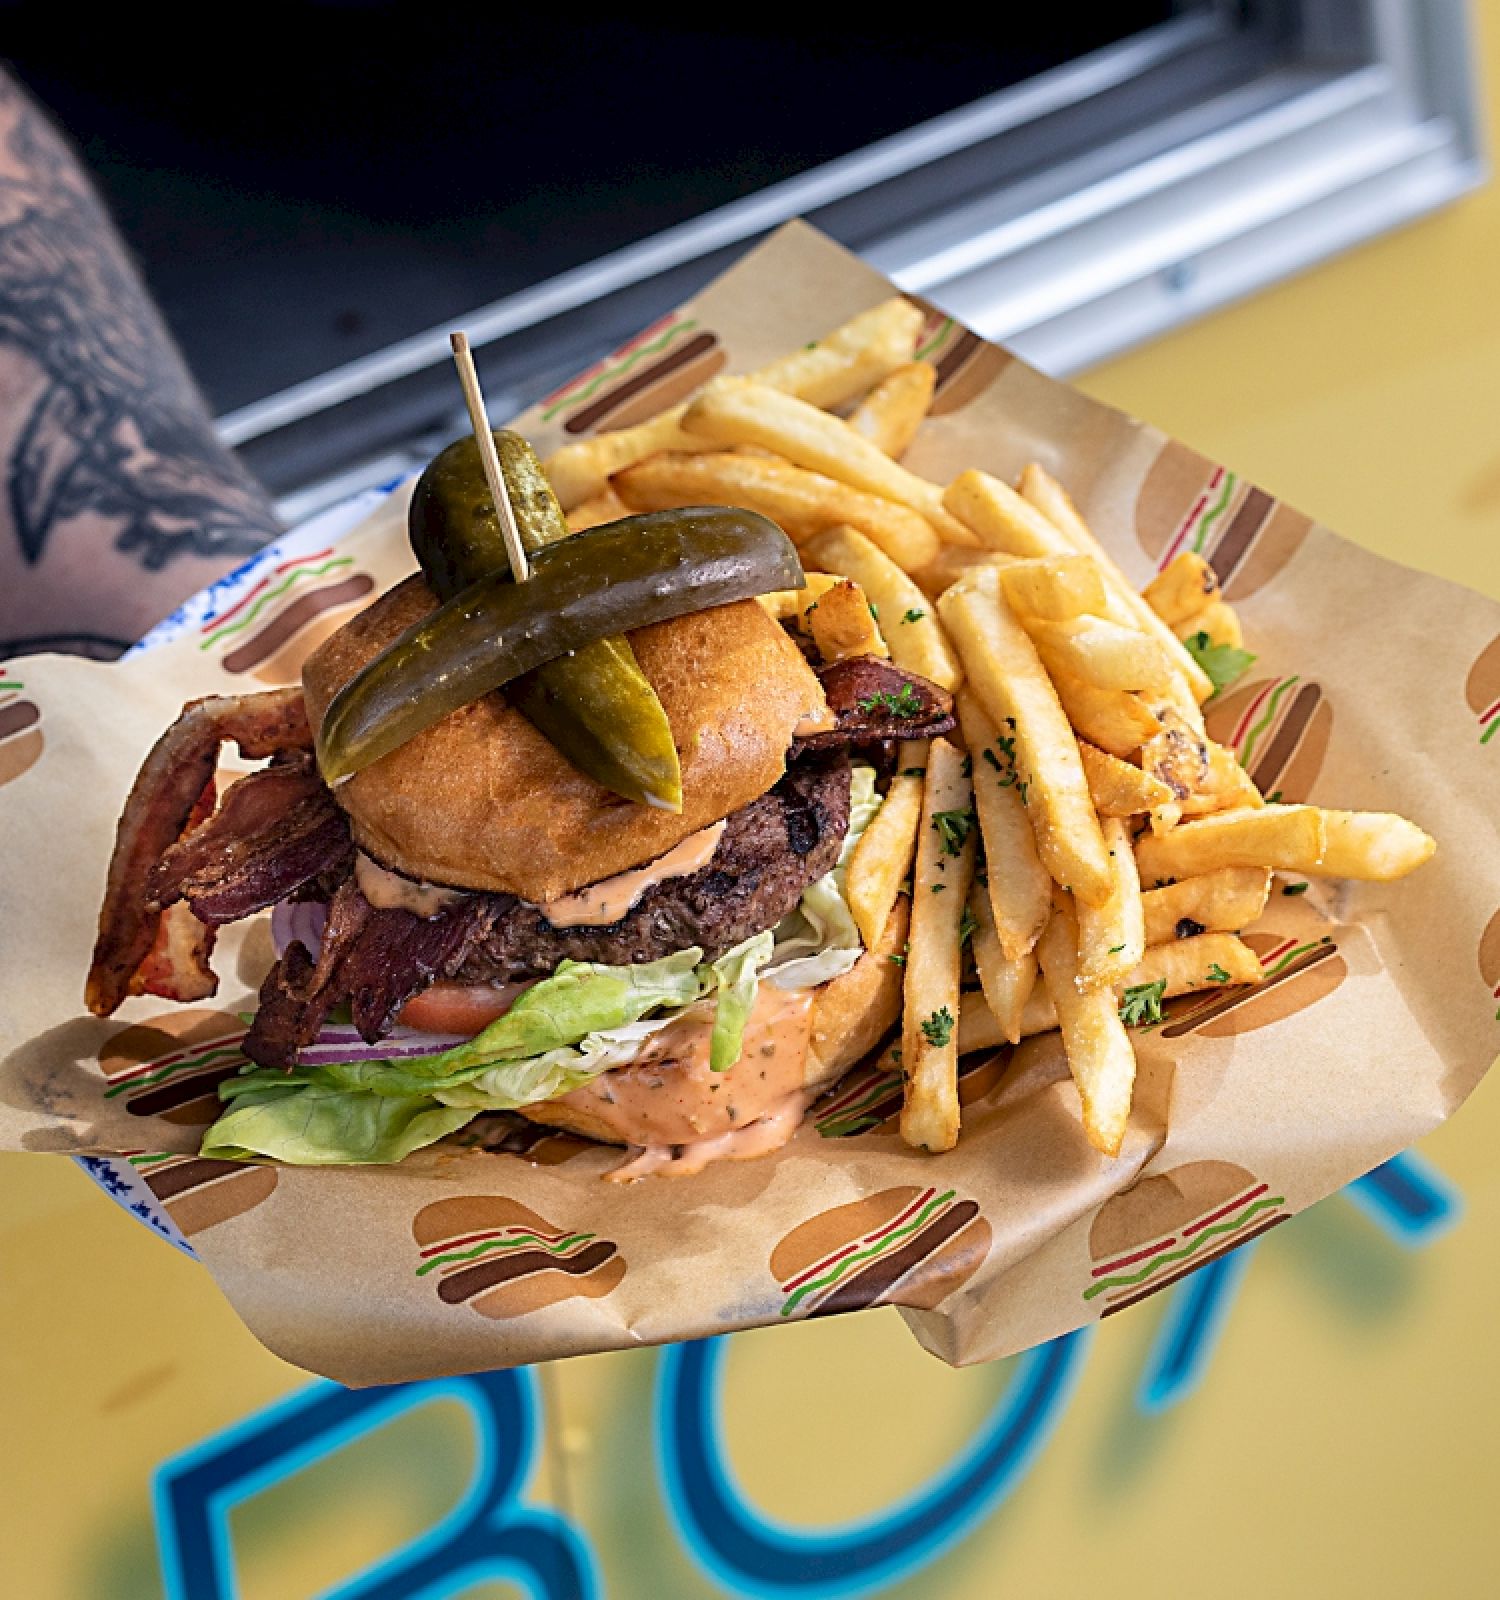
(769, 852)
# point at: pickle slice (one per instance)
(596, 705)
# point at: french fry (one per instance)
(606, 506)
(891, 413)
(1000, 519)
(1290, 838)
(951, 563)
(908, 618)
(1007, 983)
(1225, 784)
(1186, 966)
(1110, 718)
(1219, 620)
(790, 605)
(1112, 937)
(1100, 652)
(1100, 1054)
(1184, 586)
(882, 859)
(940, 889)
(1019, 890)
(842, 624)
(804, 503)
(1375, 846)
(1177, 755)
(1189, 973)
(1040, 489)
(1055, 587)
(1119, 788)
(828, 372)
(1223, 901)
(1001, 664)
(734, 411)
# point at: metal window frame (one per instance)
(1064, 216)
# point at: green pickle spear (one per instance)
(596, 705)
(589, 586)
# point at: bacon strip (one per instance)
(873, 700)
(275, 831)
(376, 960)
(172, 781)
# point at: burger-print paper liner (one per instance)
(1374, 687)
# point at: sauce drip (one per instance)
(670, 1097)
(389, 891)
(608, 900)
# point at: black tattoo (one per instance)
(116, 429)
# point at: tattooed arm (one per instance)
(116, 498)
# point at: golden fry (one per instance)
(1119, 788)
(1019, 890)
(891, 413)
(1375, 846)
(827, 373)
(1100, 1054)
(606, 506)
(790, 605)
(940, 890)
(1184, 586)
(1007, 983)
(1055, 587)
(1113, 719)
(842, 624)
(1001, 664)
(1290, 838)
(1112, 937)
(1040, 489)
(1225, 784)
(1177, 755)
(951, 563)
(1222, 901)
(1219, 620)
(804, 503)
(1102, 653)
(883, 856)
(1000, 519)
(735, 411)
(908, 619)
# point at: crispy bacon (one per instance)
(172, 781)
(874, 700)
(376, 960)
(275, 831)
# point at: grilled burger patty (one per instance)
(770, 851)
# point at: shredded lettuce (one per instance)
(561, 1033)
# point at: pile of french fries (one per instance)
(1084, 850)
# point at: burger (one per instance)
(471, 923)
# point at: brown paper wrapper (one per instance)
(1378, 1021)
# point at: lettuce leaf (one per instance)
(313, 1124)
(737, 980)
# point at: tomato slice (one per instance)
(459, 1007)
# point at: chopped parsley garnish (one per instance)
(938, 888)
(905, 703)
(990, 756)
(966, 926)
(953, 829)
(1141, 1003)
(1274, 798)
(1223, 663)
(914, 772)
(1216, 974)
(968, 767)
(914, 615)
(874, 609)
(938, 1028)
(1115, 949)
(1295, 888)
(898, 960)
(1023, 789)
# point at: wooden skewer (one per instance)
(489, 457)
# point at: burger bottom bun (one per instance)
(850, 1016)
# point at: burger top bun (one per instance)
(482, 800)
